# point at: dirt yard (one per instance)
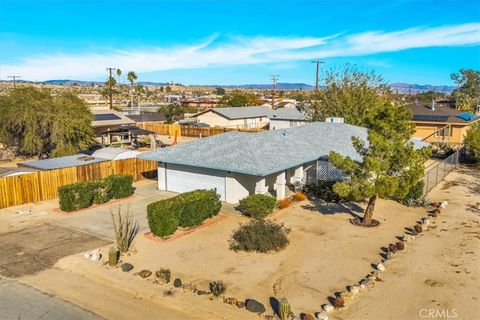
(326, 254)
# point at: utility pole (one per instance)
(274, 87)
(317, 62)
(14, 79)
(110, 85)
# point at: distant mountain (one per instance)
(417, 88)
(280, 86)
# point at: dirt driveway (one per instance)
(33, 249)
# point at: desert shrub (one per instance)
(119, 185)
(125, 227)
(323, 190)
(257, 205)
(260, 235)
(284, 203)
(196, 206)
(217, 288)
(162, 220)
(299, 196)
(416, 191)
(77, 195)
(472, 142)
(164, 275)
(185, 210)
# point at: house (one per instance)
(239, 117)
(238, 164)
(437, 123)
(107, 120)
(284, 118)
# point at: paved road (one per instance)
(21, 302)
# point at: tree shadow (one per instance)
(334, 208)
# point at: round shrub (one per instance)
(101, 192)
(119, 185)
(77, 196)
(260, 236)
(299, 196)
(257, 205)
(162, 220)
(284, 203)
(196, 206)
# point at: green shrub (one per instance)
(101, 192)
(261, 236)
(119, 185)
(323, 190)
(77, 195)
(196, 206)
(257, 205)
(416, 192)
(472, 142)
(162, 220)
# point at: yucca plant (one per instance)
(125, 227)
(424, 202)
(409, 202)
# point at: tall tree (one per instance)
(119, 73)
(390, 164)
(349, 93)
(131, 77)
(35, 122)
(467, 93)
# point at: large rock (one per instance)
(254, 306)
(126, 267)
(308, 317)
(177, 283)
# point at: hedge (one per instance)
(185, 210)
(83, 194)
(257, 205)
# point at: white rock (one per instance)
(380, 267)
(93, 255)
(354, 289)
(444, 204)
(23, 211)
(327, 307)
(322, 316)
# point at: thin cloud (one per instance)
(214, 52)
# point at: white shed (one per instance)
(115, 153)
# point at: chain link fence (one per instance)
(437, 173)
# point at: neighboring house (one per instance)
(289, 104)
(286, 118)
(107, 120)
(238, 164)
(239, 117)
(439, 123)
(146, 116)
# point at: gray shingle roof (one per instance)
(62, 162)
(266, 152)
(287, 114)
(241, 112)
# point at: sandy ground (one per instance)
(326, 253)
(438, 274)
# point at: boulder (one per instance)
(365, 282)
(338, 302)
(380, 267)
(322, 316)
(400, 245)
(126, 267)
(354, 289)
(254, 306)
(308, 316)
(444, 204)
(388, 255)
(418, 228)
(240, 304)
(177, 283)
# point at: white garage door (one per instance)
(185, 178)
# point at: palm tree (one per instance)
(131, 76)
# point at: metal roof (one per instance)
(113, 153)
(62, 162)
(109, 118)
(241, 112)
(266, 152)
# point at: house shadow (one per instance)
(329, 208)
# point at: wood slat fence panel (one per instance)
(190, 131)
(43, 185)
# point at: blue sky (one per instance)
(237, 42)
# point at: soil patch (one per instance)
(30, 250)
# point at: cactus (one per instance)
(217, 288)
(424, 202)
(284, 309)
(112, 256)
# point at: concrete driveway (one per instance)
(98, 220)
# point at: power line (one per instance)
(317, 62)
(14, 79)
(274, 87)
(110, 85)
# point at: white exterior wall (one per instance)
(162, 177)
(284, 124)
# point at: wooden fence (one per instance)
(189, 131)
(43, 185)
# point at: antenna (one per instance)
(110, 85)
(317, 62)
(14, 79)
(274, 87)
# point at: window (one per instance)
(443, 131)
